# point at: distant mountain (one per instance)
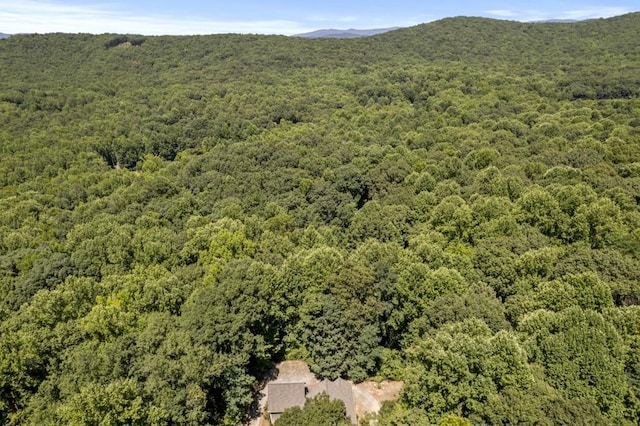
(350, 33)
(559, 21)
(3, 35)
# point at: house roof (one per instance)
(337, 389)
(285, 395)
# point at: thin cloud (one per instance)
(598, 12)
(502, 12)
(30, 16)
(578, 14)
(518, 15)
(326, 18)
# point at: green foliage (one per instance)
(452, 420)
(581, 354)
(461, 367)
(454, 204)
(119, 403)
(341, 327)
(584, 290)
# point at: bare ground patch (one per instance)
(369, 395)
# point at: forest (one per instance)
(455, 205)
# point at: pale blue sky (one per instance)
(152, 17)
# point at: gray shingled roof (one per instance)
(337, 389)
(285, 395)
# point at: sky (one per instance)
(155, 17)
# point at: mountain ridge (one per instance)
(558, 21)
(481, 42)
(350, 33)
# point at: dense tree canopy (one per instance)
(455, 205)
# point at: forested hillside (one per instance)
(454, 205)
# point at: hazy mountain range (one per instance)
(350, 33)
(560, 21)
(354, 33)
